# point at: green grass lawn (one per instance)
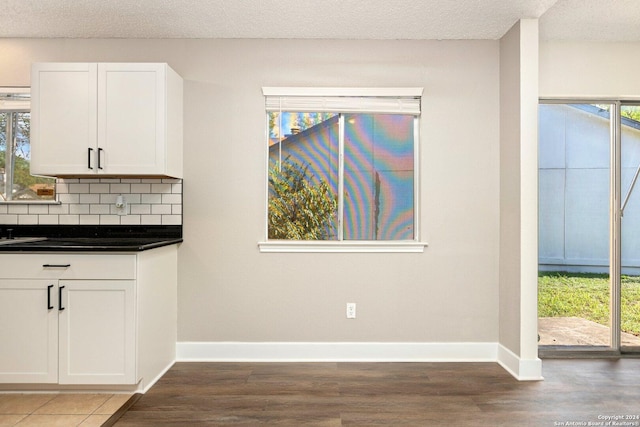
(587, 296)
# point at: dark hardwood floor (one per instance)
(363, 394)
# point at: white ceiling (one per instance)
(315, 19)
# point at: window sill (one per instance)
(29, 202)
(342, 247)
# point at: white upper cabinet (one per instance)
(107, 118)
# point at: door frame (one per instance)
(615, 236)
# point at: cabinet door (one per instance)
(97, 332)
(63, 115)
(131, 118)
(28, 331)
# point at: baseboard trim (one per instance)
(524, 370)
(335, 352)
(521, 369)
(144, 386)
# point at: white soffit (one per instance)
(301, 19)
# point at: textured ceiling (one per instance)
(314, 19)
(598, 20)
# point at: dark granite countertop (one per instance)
(87, 238)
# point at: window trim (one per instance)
(350, 246)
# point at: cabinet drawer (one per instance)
(67, 266)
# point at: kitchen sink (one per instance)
(5, 241)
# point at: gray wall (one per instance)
(228, 290)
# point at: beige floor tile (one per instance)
(95, 420)
(10, 420)
(52, 421)
(13, 404)
(73, 404)
(113, 404)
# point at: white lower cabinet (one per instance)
(96, 332)
(88, 321)
(28, 332)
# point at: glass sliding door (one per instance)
(575, 193)
(629, 301)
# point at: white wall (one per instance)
(589, 69)
(518, 199)
(228, 291)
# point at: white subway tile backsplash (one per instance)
(99, 209)
(171, 219)
(8, 219)
(48, 219)
(109, 219)
(132, 198)
(99, 188)
(90, 219)
(120, 188)
(130, 220)
(91, 201)
(69, 199)
(161, 188)
(109, 198)
(172, 199)
(18, 209)
(59, 209)
(141, 188)
(79, 209)
(152, 219)
(160, 209)
(62, 187)
(140, 209)
(38, 209)
(79, 188)
(69, 219)
(151, 198)
(28, 219)
(90, 198)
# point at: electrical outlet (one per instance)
(351, 310)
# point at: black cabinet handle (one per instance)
(100, 150)
(60, 307)
(89, 151)
(56, 265)
(49, 306)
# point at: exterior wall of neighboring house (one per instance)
(574, 174)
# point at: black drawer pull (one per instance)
(49, 306)
(56, 265)
(60, 307)
(89, 151)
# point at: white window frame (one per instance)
(21, 106)
(373, 100)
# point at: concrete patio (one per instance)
(575, 331)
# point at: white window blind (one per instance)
(383, 100)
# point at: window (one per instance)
(342, 166)
(16, 181)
